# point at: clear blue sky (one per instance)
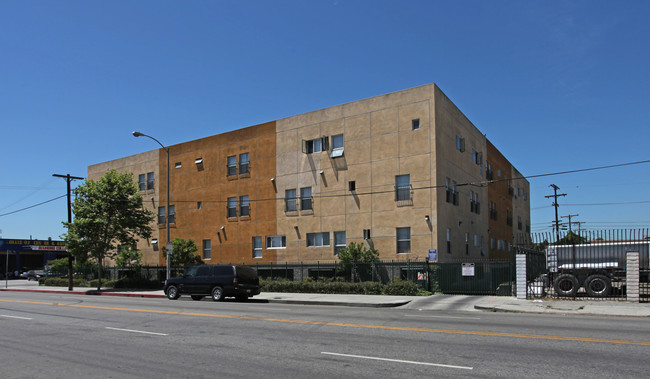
(555, 85)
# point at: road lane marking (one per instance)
(137, 331)
(432, 316)
(18, 317)
(398, 361)
(323, 323)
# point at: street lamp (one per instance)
(169, 251)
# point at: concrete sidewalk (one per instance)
(424, 303)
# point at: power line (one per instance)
(33, 206)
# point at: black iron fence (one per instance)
(587, 264)
(475, 278)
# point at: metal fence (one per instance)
(644, 288)
(587, 265)
(476, 278)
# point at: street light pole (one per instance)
(169, 252)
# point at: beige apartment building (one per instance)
(406, 173)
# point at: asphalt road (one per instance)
(63, 336)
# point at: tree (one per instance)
(571, 238)
(183, 253)
(128, 257)
(107, 212)
(358, 261)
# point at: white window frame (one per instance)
(257, 247)
(403, 239)
(339, 242)
(276, 242)
(207, 249)
(318, 239)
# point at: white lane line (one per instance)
(137, 331)
(18, 317)
(432, 316)
(398, 361)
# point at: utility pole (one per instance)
(555, 204)
(569, 217)
(68, 179)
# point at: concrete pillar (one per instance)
(521, 276)
(632, 280)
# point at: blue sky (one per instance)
(555, 85)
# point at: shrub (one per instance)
(337, 287)
(401, 288)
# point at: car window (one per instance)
(223, 270)
(246, 272)
(191, 271)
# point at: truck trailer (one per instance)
(592, 266)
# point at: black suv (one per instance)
(217, 281)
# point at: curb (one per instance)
(339, 303)
(89, 292)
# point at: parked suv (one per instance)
(217, 281)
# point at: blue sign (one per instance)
(433, 255)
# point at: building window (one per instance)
(415, 124)
(257, 247)
(178, 165)
(460, 144)
(477, 157)
(489, 174)
(451, 194)
(448, 241)
(232, 165)
(493, 210)
(305, 199)
(474, 204)
(508, 217)
(318, 239)
(207, 249)
(161, 215)
(276, 242)
(290, 200)
(337, 146)
(172, 214)
(244, 206)
(519, 224)
(232, 207)
(244, 164)
(403, 240)
(199, 205)
(339, 242)
(150, 180)
(315, 145)
(141, 182)
(466, 243)
(403, 188)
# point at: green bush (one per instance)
(398, 288)
(61, 282)
(401, 288)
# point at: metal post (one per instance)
(169, 251)
(68, 179)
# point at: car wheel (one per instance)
(598, 285)
(217, 293)
(172, 293)
(566, 285)
(197, 297)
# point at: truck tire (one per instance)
(598, 285)
(566, 285)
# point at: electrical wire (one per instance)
(32, 206)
